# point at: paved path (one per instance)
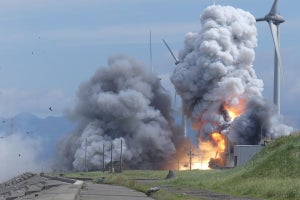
(65, 191)
(92, 191)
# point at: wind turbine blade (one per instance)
(277, 65)
(176, 60)
(274, 30)
(274, 9)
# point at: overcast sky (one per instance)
(49, 47)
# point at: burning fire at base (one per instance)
(220, 91)
(210, 154)
(213, 151)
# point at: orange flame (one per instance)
(219, 140)
(215, 150)
(210, 153)
(236, 110)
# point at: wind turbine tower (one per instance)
(274, 20)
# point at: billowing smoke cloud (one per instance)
(19, 154)
(216, 74)
(121, 102)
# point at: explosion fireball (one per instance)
(220, 93)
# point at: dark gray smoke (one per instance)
(121, 102)
(217, 72)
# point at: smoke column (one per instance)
(216, 72)
(121, 102)
(19, 154)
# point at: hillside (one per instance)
(272, 174)
(280, 158)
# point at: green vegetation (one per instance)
(274, 173)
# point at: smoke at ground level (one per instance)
(121, 102)
(19, 154)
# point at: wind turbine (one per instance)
(274, 20)
(183, 116)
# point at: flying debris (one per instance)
(274, 20)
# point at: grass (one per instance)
(274, 173)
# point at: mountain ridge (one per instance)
(49, 129)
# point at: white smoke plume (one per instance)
(121, 102)
(216, 72)
(19, 154)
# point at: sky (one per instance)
(49, 47)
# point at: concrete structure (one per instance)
(243, 153)
(34, 186)
(42, 187)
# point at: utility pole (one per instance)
(85, 160)
(111, 159)
(121, 157)
(103, 157)
(191, 156)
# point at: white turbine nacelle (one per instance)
(276, 19)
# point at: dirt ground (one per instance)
(205, 194)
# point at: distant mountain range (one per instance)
(48, 129)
